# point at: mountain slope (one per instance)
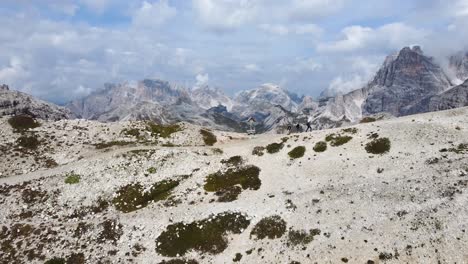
(404, 80)
(157, 199)
(17, 103)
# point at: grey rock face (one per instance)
(403, 81)
(453, 98)
(16, 103)
(459, 64)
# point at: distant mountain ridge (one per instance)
(408, 82)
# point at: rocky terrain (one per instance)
(390, 191)
(16, 103)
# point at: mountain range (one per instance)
(408, 82)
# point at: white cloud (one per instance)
(389, 36)
(202, 80)
(153, 14)
(14, 72)
(302, 65)
(252, 67)
(225, 15)
(301, 29)
(312, 9)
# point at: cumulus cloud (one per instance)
(389, 36)
(300, 29)
(202, 80)
(225, 15)
(153, 14)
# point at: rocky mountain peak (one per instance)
(4, 87)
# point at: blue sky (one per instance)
(59, 50)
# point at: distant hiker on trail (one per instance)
(298, 127)
(309, 123)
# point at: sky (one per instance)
(60, 50)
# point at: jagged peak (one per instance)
(4, 87)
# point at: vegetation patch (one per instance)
(269, 227)
(208, 137)
(22, 123)
(179, 261)
(460, 149)
(133, 196)
(72, 178)
(301, 237)
(258, 151)
(111, 231)
(233, 161)
(378, 146)
(337, 140)
(205, 236)
(134, 132)
(105, 145)
(151, 170)
(28, 142)
(320, 146)
(55, 261)
(274, 147)
(297, 152)
(226, 184)
(368, 120)
(161, 130)
(350, 130)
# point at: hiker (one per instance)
(309, 123)
(298, 127)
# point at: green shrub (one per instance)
(135, 132)
(350, 130)
(72, 178)
(112, 144)
(297, 152)
(222, 183)
(151, 170)
(28, 142)
(205, 236)
(258, 151)
(274, 147)
(378, 146)
(269, 227)
(337, 140)
(368, 120)
(208, 137)
(320, 146)
(22, 123)
(233, 161)
(301, 237)
(161, 130)
(133, 197)
(55, 261)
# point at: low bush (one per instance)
(112, 144)
(258, 151)
(337, 140)
(368, 120)
(378, 146)
(72, 178)
(320, 146)
(269, 227)
(208, 137)
(301, 237)
(205, 236)
(297, 152)
(274, 147)
(28, 142)
(163, 131)
(22, 123)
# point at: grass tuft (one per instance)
(205, 236)
(320, 146)
(72, 178)
(22, 123)
(274, 147)
(269, 227)
(378, 146)
(297, 152)
(208, 137)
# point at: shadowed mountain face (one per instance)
(18, 103)
(403, 81)
(453, 98)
